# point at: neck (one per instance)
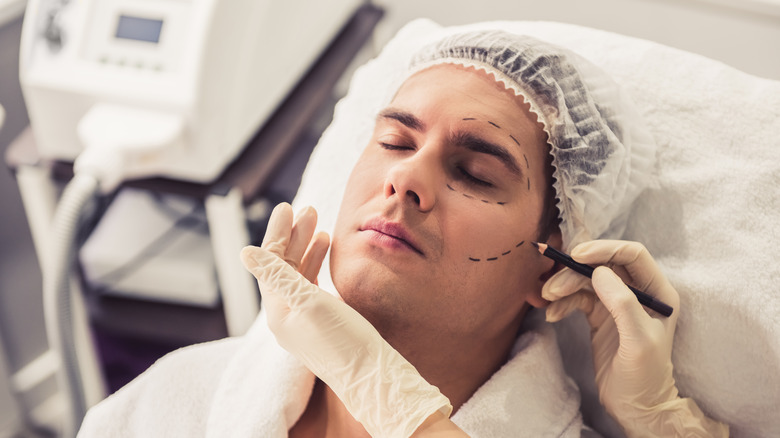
(457, 365)
(326, 416)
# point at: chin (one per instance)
(375, 296)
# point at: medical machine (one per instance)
(129, 89)
(203, 73)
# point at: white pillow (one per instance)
(710, 221)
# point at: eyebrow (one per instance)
(479, 144)
(407, 119)
(463, 139)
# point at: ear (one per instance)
(535, 299)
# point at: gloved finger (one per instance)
(564, 283)
(630, 317)
(300, 237)
(276, 307)
(275, 276)
(582, 300)
(279, 230)
(645, 273)
(315, 254)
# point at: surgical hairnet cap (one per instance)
(602, 155)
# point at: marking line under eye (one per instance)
(466, 195)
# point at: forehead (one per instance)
(465, 85)
(450, 94)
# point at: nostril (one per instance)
(389, 189)
(414, 197)
(409, 189)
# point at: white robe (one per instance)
(250, 387)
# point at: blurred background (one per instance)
(744, 34)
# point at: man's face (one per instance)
(439, 213)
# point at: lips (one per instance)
(391, 232)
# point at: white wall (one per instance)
(745, 35)
(11, 10)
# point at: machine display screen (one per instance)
(140, 29)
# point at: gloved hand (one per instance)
(377, 385)
(632, 347)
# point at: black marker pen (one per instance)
(587, 270)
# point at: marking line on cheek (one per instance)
(490, 259)
(469, 118)
(527, 166)
(494, 124)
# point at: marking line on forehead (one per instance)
(527, 165)
(478, 144)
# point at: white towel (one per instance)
(529, 396)
(711, 219)
(251, 387)
(236, 387)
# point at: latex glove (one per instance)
(380, 388)
(632, 347)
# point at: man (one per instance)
(432, 257)
(430, 248)
(439, 192)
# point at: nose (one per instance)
(414, 179)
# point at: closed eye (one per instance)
(395, 147)
(471, 179)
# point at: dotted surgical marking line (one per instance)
(490, 259)
(527, 165)
(475, 198)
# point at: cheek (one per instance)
(500, 264)
(365, 182)
(491, 239)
